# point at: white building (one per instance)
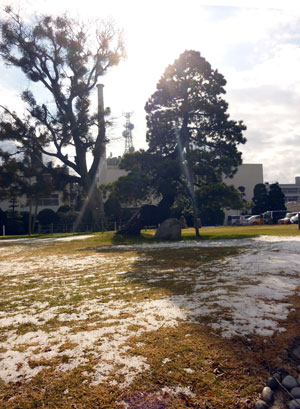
(54, 201)
(247, 176)
(109, 171)
(291, 191)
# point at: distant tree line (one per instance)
(18, 222)
(268, 199)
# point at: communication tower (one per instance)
(128, 133)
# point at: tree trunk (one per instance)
(96, 209)
(30, 217)
(183, 138)
(92, 210)
(195, 215)
(35, 215)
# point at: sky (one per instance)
(254, 44)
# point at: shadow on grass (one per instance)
(118, 239)
(180, 269)
(215, 233)
(149, 237)
(176, 271)
(229, 236)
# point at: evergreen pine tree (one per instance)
(276, 197)
(260, 199)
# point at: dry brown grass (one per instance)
(211, 372)
(226, 373)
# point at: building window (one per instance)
(292, 198)
(52, 200)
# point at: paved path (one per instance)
(40, 240)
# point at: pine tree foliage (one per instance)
(271, 199)
(187, 113)
(188, 125)
(276, 198)
(66, 58)
(260, 199)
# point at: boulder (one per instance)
(296, 352)
(169, 230)
(272, 383)
(289, 382)
(267, 394)
(296, 392)
(294, 404)
(260, 404)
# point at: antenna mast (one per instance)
(128, 133)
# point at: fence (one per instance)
(71, 228)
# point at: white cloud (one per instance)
(266, 95)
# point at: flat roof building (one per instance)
(247, 176)
(291, 191)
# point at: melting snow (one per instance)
(241, 295)
(178, 390)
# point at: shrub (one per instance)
(67, 217)
(64, 209)
(47, 216)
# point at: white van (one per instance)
(234, 220)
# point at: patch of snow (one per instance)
(46, 240)
(178, 390)
(188, 370)
(165, 361)
(242, 295)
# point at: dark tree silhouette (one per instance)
(213, 198)
(66, 58)
(260, 199)
(151, 177)
(276, 197)
(188, 123)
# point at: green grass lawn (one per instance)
(233, 232)
(206, 233)
(241, 232)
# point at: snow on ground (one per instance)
(85, 307)
(48, 240)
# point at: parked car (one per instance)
(256, 219)
(272, 216)
(244, 219)
(287, 218)
(295, 218)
